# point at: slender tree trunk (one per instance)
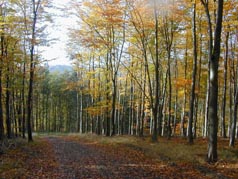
(15, 117)
(233, 125)
(32, 70)
(77, 109)
(183, 116)
(1, 109)
(230, 96)
(114, 96)
(168, 34)
(131, 107)
(205, 134)
(142, 115)
(81, 113)
(30, 99)
(157, 79)
(8, 114)
(169, 98)
(233, 122)
(1, 74)
(176, 98)
(223, 120)
(192, 96)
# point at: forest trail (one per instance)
(89, 160)
(119, 157)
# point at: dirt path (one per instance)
(88, 160)
(71, 157)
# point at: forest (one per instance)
(158, 68)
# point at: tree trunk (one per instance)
(157, 79)
(30, 98)
(1, 109)
(223, 120)
(192, 96)
(169, 98)
(231, 96)
(214, 54)
(205, 133)
(32, 69)
(182, 129)
(1, 88)
(8, 114)
(114, 96)
(233, 125)
(176, 98)
(162, 108)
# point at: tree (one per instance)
(192, 96)
(1, 69)
(37, 9)
(214, 55)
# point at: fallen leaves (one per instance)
(90, 156)
(34, 160)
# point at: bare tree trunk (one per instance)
(1, 109)
(32, 69)
(113, 112)
(162, 107)
(183, 116)
(192, 96)
(233, 122)
(233, 126)
(131, 107)
(214, 54)
(157, 79)
(81, 113)
(1, 74)
(8, 114)
(205, 134)
(230, 96)
(223, 120)
(176, 97)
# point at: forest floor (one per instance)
(91, 156)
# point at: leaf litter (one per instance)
(75, 157)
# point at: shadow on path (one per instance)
(88, 160)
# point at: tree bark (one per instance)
(192, 96)
(214, 54)
(157, 78)
(182, 129)
(1, 106)
(32, 69)
(7, 104)
(223, 120)
(233, 125)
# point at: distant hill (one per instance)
(60, 68)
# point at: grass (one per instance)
(176, 152)
(176, 149)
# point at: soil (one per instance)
(90, 160)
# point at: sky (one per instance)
(56, 53)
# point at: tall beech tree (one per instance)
(214, 55)
(35, 11)
(194, 73)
